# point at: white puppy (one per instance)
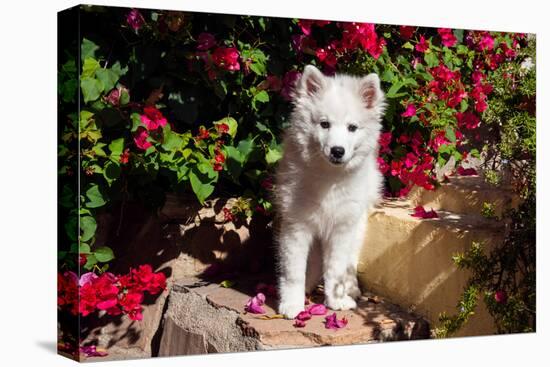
(326, 182)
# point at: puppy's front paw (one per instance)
(341, 303)
(354, 292)
(290, 309)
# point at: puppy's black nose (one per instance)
(337, 152)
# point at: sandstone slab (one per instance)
(204, 317)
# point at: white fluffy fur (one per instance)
(322, 207)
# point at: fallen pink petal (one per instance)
(299, 323)
(461, 171)
(254, 305)
(317, 309)
(303, 316)
(91, 351)
(420, 212)
(332, 322)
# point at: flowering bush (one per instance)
(195, 103)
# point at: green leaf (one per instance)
(88, 227)
(107, 77)
(261, 97)
(408, 45)
(116, 147)
(91, 261)
(71, 228)
(111, 172)
(171, 140)
(104, 254)
(95, 198)
(227, 283)
(136, 121)
(87, 49)
(90, 67)
(84, 248)
(273, 155)
(124, 97)
(91, 89)
(392, 92)
(201, 190)
(431, 59)
(450, 134)
(231, 122)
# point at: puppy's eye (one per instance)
(324, 124)
(352, 127)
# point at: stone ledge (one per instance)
(206, 318)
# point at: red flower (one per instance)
(409, 111)
(125, 156)
(82, 260)
(487, 42)
(447, 37)
(219, 158)
(467, 120)
(406, 31)
(461, 171)
(226, 58)
(420, 212)
(135, 19)
(501, 296)
(228, 215)
(152, 118)
(131, 305)
(140, 138)
(422, 45)
(289, 83)
(205, 41)
(203, 134)
(384, 141)
(222, 128)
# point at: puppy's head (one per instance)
(338, 118)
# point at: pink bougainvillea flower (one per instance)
(289, 84)
(422, 45)
(92, 351)
(420, 212)
(303, 316)
(131, 305)
(140, 138)
(406, 31)
(501, 296)
(487, 42)
(317, 309)
(447, 37)
(382, 165)
(205, 41)
(461, 171)
(332, 322)
(82, 259)
(409, 111)
(226, 58)
(135, 19)
(254, 304)
(152, 118)
(87, 278)
(384, 141)
(299, 323)
(468, 120)
(410, 160)
(113, 97)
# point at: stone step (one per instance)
(204, 317)
(409, 260)
(465, 194)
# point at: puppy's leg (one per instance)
(351, 284)
(314, 270)
(336, 259)
(294, 244)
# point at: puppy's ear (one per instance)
(312, 81)
(370, 91)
